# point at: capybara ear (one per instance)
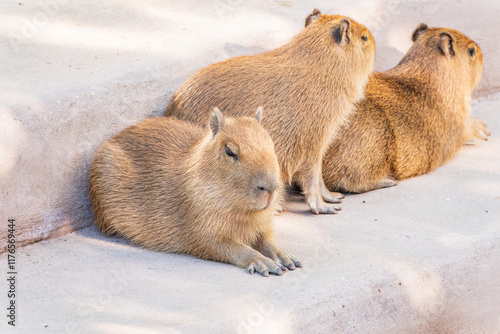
(216, 121)
(342, 35)
(258, 115)
(446, 44)
(316, 14)
(422, 28)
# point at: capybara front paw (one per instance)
(279, 256)
(329, 196)
(265, 266)
(322, 207)
(332, 197)
(289, 261)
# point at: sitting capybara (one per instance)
(413, 118)
(173, 186)
(307, 87)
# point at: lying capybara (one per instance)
(413, 118)
(173, 186)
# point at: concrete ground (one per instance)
(422, 257)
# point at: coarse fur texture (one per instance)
(173, 186)
(413, 118)
(307, 87)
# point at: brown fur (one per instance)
(307, 88)
(172, 186)
(414, 117)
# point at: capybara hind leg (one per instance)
(353, 185)
(246, 257)
(269, 249)
(386, 183)
(475, 128)
(374, 185)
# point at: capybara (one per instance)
(173, 186)
(307, 87)
(413, 118)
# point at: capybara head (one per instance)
(343, 35)
(240, 156)
(452, 52)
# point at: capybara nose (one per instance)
(269, 184)
(269, 192)
(267, 181)
(268, 189)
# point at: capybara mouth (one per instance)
(266, 202)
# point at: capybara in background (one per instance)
(307, 87)
(413, 118)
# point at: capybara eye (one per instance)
(471, 52)
(364, 38)
(231, 154)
